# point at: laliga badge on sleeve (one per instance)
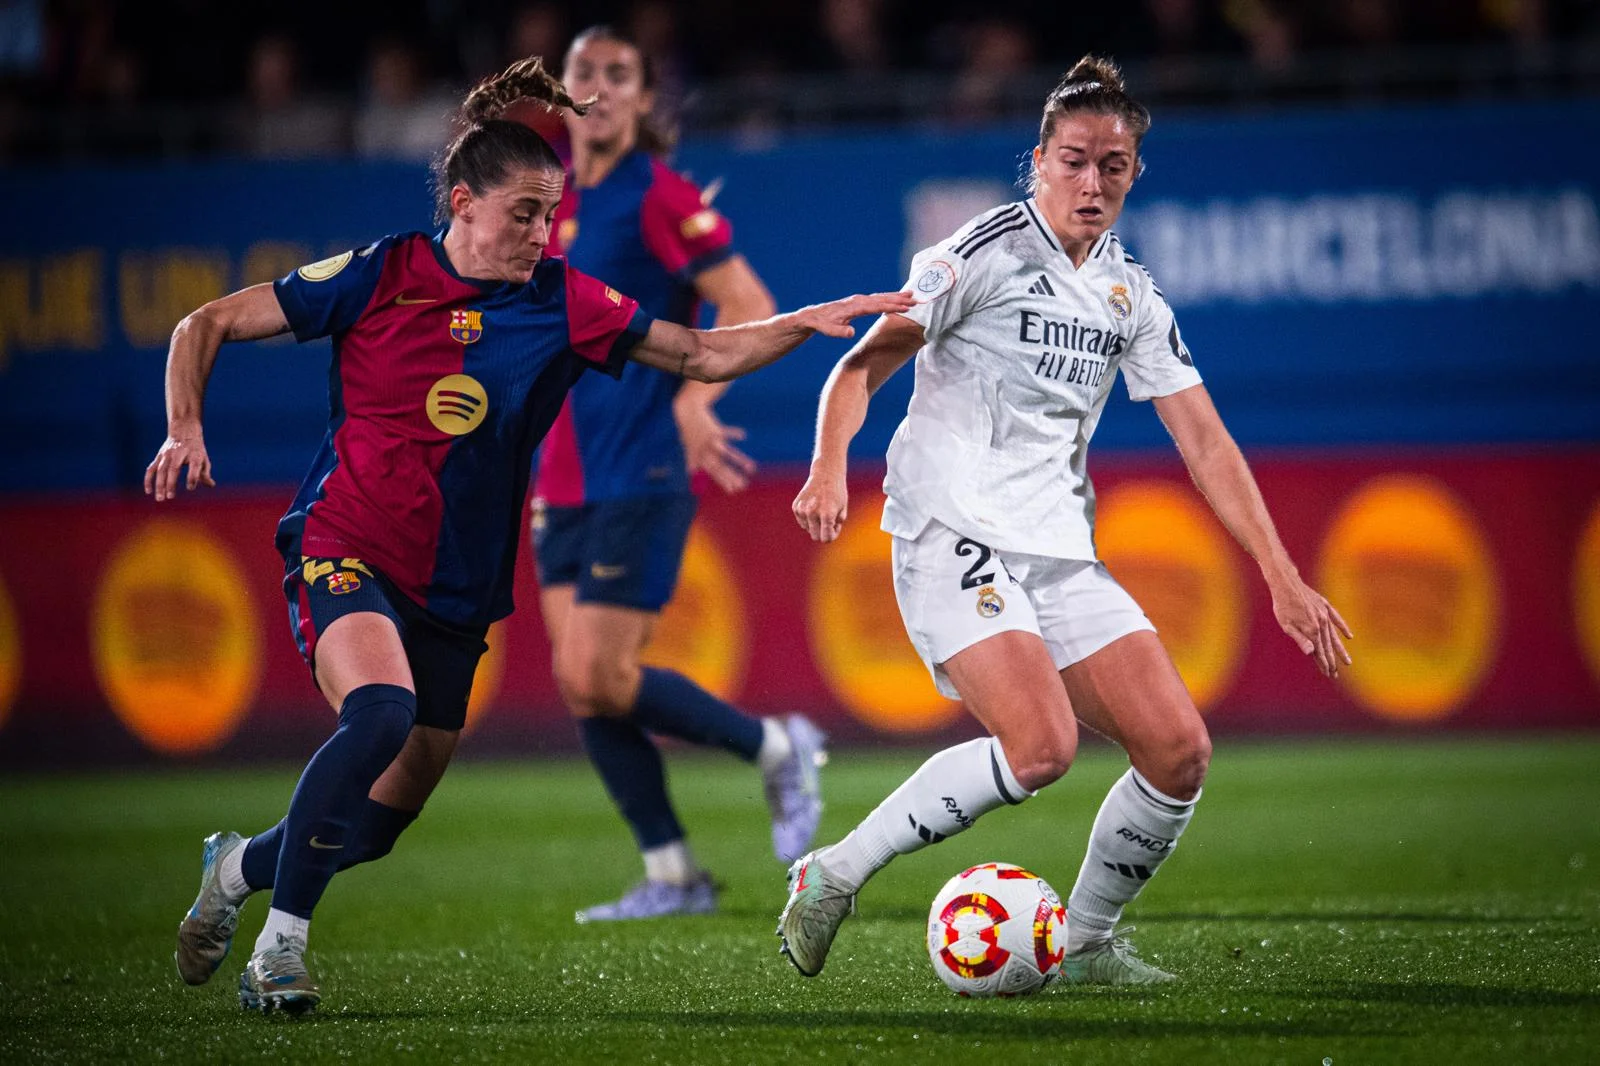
(324, 269)
(936, 279)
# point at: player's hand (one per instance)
(822, 505)
(1312, 623)
(188, 449)
(708, 445)
(833, 319)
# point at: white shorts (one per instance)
(954, 592)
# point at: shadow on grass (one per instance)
(1447, 995)
(964, 1024)
(894, 913)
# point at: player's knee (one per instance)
(598, 685)
(1042, 761)
(381, 716)
(1181, 767)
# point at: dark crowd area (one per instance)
(102, 78)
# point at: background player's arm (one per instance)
(733, 288)
(247, 315)
(824, 500)
(727, 353)
(1223, 477)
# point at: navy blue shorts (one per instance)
(623, 552)
(443, 658)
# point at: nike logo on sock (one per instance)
(319, 845)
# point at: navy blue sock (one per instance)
(630, 765)
(328, 802)
(380, 826)
(671, 704)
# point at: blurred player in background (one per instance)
(1024, 317)
(613, 505)
(452, 356)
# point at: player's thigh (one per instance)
(974, 626)
(347, 626)
(1130, 691)
(415, 772)
(1008, 682)
(598, 660)
(555, 606)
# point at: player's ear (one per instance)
(461, 202)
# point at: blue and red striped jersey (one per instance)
(645, 230)
(440, 389)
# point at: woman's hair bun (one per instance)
(1094, 68)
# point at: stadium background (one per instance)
(1381, 237)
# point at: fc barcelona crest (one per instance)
(466, 326)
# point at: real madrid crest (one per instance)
(466, 326)
(1121, 306)
(990, 603)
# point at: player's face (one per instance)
(508, 227)
(613, 72)
(1085, 172)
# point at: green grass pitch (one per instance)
(1355, 902)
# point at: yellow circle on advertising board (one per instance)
(1586, 590)
(10, 654)
(486, 682)
(1407, 567)
(702, 633)
(858, 638)
(176, 648)
(1169, 551)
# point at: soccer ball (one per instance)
(996, 930)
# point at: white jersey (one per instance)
(1021, 351)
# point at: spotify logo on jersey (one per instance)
(457, 404)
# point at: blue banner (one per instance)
(1427, 276)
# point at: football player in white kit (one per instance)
(1024, 317)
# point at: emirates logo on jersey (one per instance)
(466, 326)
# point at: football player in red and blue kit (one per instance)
(452, 356)
(612, 502)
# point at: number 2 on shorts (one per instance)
(972, 579)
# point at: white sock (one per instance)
(293, 929)
(672, 862)
(1135, 831)
(775, 745)
(230, 875)
(946, 795)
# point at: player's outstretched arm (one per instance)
(725, 354)
(824, 500)
(1223, 476)
(247, 315)
(709, 445)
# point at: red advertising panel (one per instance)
(1471, 579)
